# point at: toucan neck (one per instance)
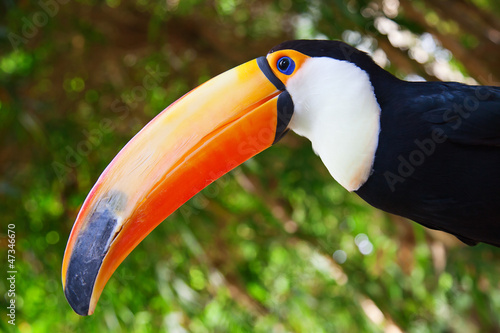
(336, 108)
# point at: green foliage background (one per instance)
(253, 252)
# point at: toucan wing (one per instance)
(455, 187)
(468, 115)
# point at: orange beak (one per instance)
(194, 141)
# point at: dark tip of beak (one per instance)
(89, 250)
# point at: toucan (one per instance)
(427, 151)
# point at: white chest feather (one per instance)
(335, 108)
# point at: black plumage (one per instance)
(438, 157)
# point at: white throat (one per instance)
(335, 107)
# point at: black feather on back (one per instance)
(438, 159)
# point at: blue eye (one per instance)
(285, 65)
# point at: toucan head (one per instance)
(319, 89)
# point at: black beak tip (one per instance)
(78, 303)
(88, 253)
